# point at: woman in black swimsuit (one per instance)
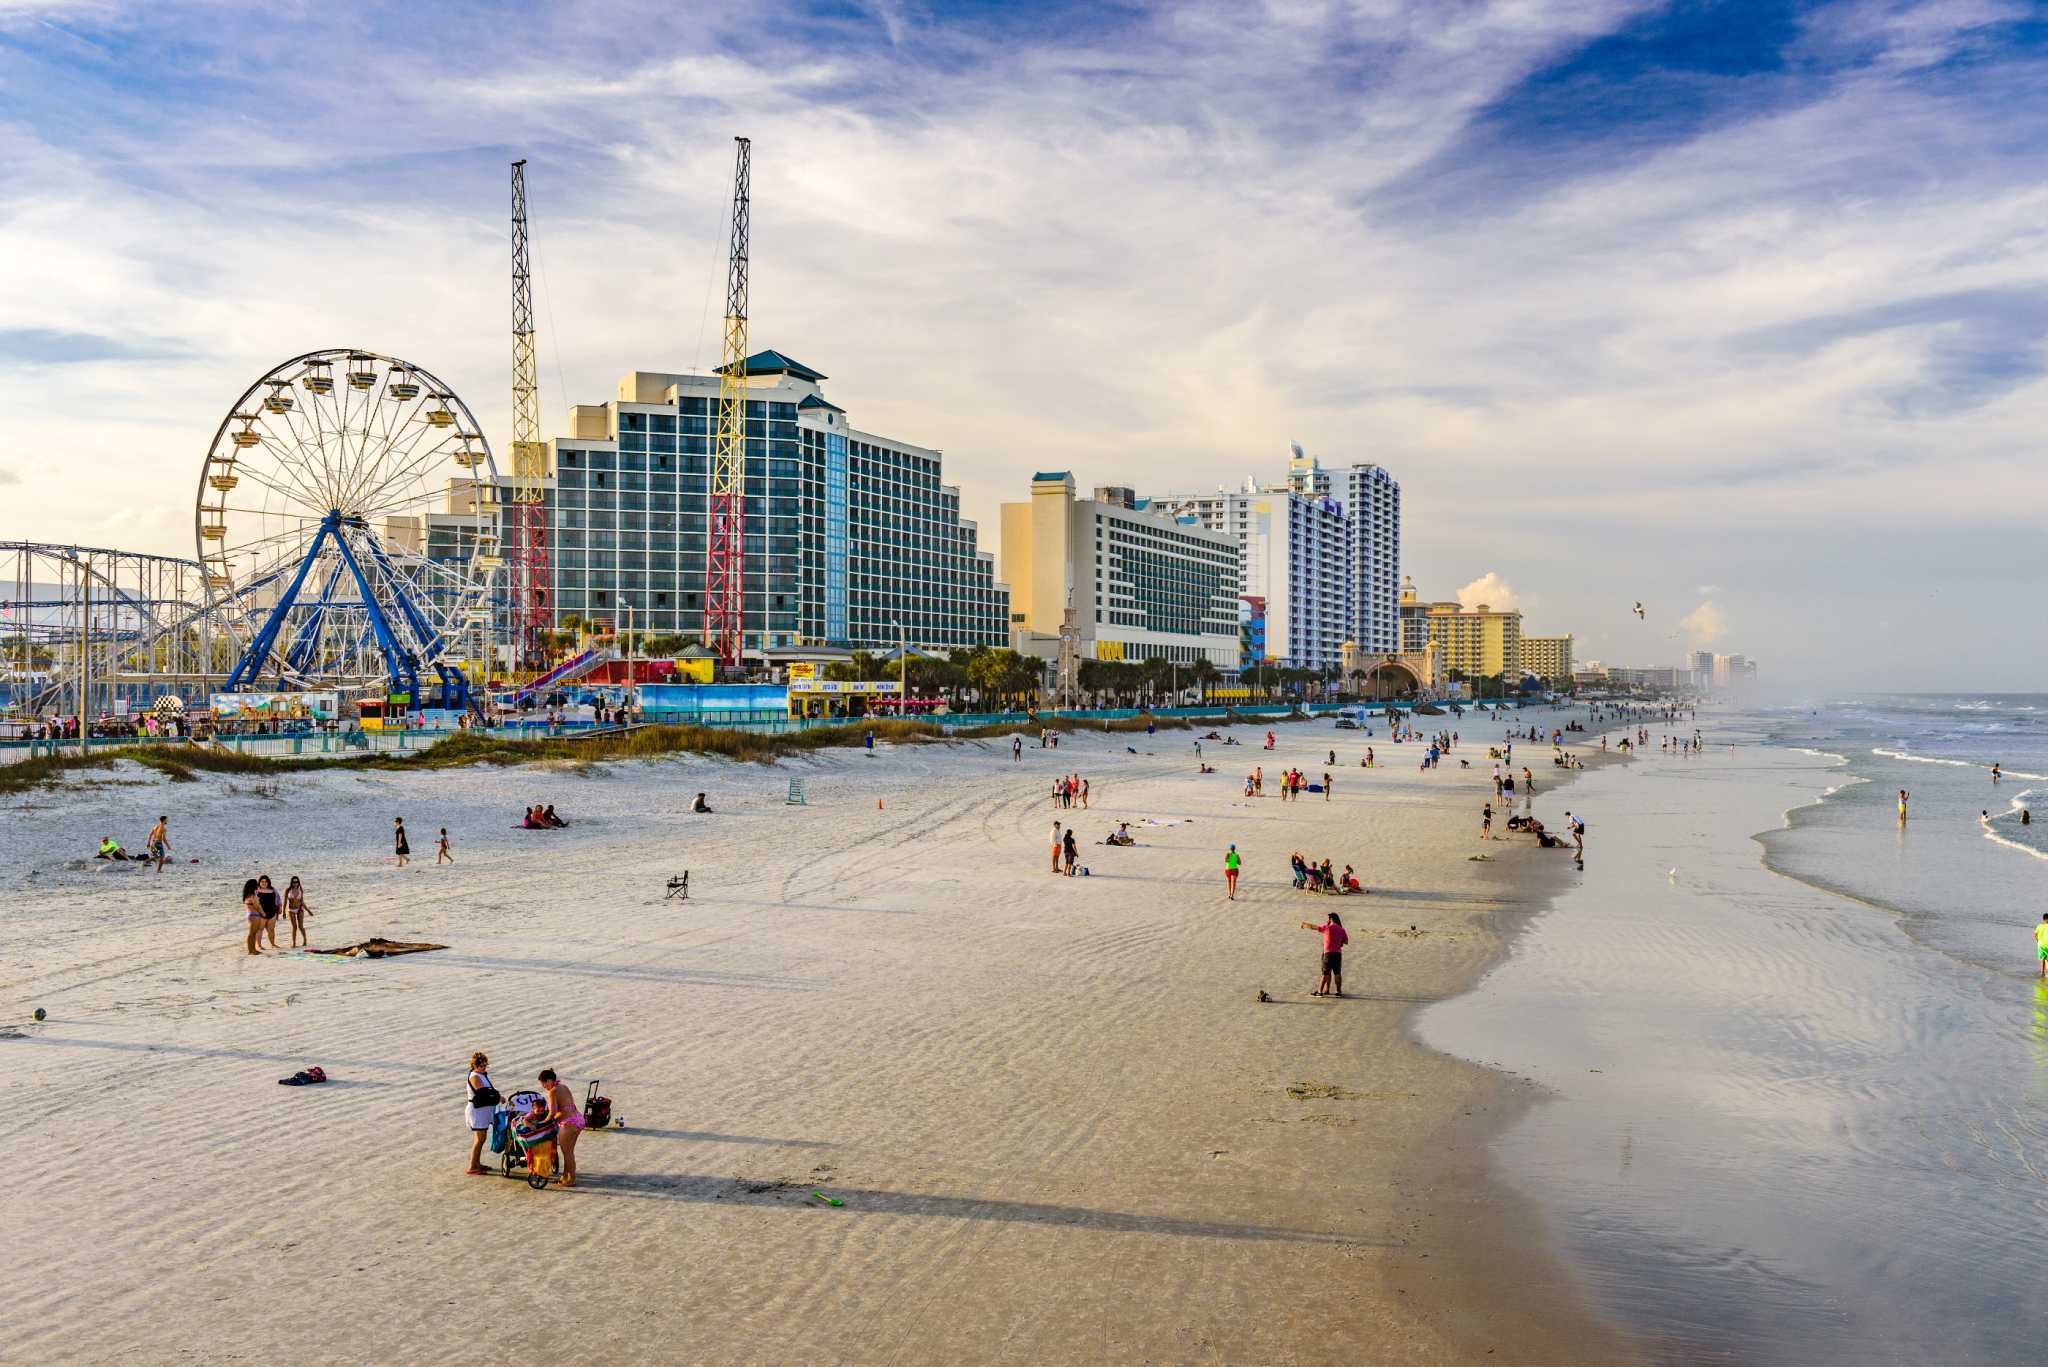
(272, 904)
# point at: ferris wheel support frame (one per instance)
(399, 671)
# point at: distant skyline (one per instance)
(1740, 310)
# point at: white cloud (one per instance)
(1705, 624)
(1490, 589)
(1158, 255)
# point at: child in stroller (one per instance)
(525, 1138)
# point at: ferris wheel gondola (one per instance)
(351, 529)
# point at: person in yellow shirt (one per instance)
(2041, 943)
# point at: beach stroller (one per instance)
(525, 1143)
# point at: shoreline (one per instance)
(1738, 1057)
(1051, 1105)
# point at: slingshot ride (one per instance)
(347, 525)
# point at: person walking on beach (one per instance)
(403, 846)
(1073, 849)
(1903, 795)
(1084, 794)
(1578, 829)
(481, 1111)
(295, 907)
(1055, 847)
(252, 911)
(1486, 823)
(1016, 749)
(1231, 866)
(2041, 943)
(1326, 785)
(159, 842)
(442, 854)
(1335, 937)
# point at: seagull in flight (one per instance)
(1639, 612)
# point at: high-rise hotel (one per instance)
(850, 536)
(1320, 559)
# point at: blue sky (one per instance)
(1737, 305)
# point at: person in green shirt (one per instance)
(110, 848)
(2041, 943)
(1231, 864)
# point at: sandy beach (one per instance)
(1061, 1124)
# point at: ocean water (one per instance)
(1798, 1055)
(1963, 869)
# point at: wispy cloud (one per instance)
(1601, 280)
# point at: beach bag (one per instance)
(501, 1131)
(484, 1096)
(597, 1110)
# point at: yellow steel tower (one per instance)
(725, 555)
(532, 589)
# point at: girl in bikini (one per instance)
(296, 908)
(253, 906)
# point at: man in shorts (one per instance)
(1331, 983)
(159, 844)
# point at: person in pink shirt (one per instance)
(1334, 936)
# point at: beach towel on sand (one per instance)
(379, 948)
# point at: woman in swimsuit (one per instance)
(562, 1111)
(296, 908)
(267, 898)
(252, 907)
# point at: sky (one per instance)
(1736, 309)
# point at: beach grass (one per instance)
(184, 763)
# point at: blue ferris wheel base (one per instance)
(402, 663)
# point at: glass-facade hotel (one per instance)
(848, 534)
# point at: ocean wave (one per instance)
(1995, 838)
(1925, 759)
(1954, 763)
(1822, 754)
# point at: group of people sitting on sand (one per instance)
(1529, 825)
(159, 847)
(1310, 876)
(540, 818)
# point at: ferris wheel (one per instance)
(347, 524)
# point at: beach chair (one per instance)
(795, 797)
(679, 888)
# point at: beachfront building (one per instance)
(1319, 556)
(1131, 581)
(1293, 551)
(852, 538)
(1477, 643)
(1549, 658)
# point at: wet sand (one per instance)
(1059, 1120)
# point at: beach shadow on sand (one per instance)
(791, 1196)
(574, 968)
(708, 1137)
(244, 1055)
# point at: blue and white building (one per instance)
(1316, 550)
(851, 537)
